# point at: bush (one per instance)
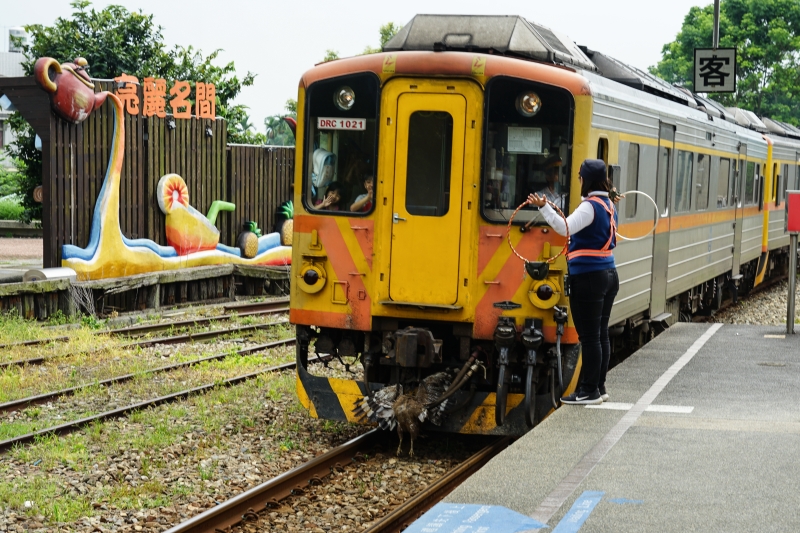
(10, 210)
(9, 181)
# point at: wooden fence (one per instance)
(255, 178)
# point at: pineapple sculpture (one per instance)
(286, 222)
(247, 241)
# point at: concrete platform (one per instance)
(701, 433)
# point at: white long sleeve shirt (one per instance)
(582, 217)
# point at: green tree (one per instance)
(278, 131)
(766, 34)
(330, 55)
(114, 40)
(387, 31)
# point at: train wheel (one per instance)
(502, 396)
(530, 398)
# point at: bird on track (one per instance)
(390, 408)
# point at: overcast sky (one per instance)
(279, 41)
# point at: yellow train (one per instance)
(410, 163)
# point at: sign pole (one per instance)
(792, 283)
(716, 24)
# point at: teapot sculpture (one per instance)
(71, 90)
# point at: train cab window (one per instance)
(703, 175)
(526, 148)
(683, 181)
(430, 146)
(631, 179)
(341, 144)
(750, 182)
(723, 177)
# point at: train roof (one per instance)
(492, 34)
(515, 36)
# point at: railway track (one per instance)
(43, 398)
(74, 425)
(247, 505)
(241, 311)
(174, 339)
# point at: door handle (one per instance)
(397, 218)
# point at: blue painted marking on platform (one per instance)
(625, 500)
(579, 512)
(468, 518)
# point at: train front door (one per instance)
(430, 120)
(738, 198)
(658, 284)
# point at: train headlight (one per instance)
(545, 294)
(311, 278)
(344, 98)
(528, 104)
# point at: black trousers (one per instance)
(591, 297)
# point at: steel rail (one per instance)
(177, 339)
(409, 511)
(254, 309)
(246, 504)
(42, 398)
(69, 427)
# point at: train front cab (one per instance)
(425, 280)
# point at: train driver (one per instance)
(552, 191)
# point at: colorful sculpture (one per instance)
(193, 239)
(72, 94)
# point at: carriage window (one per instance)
(723, 177)
(703, 174)
(683, 181)
(524, 151)
(430, 146)
(341, 144)
(632, 180)
(750, 184)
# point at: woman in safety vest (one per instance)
(592, 275)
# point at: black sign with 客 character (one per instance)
(715, 70)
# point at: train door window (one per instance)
(722, 182)
(631, 179)
(784, 183)
(525, 151)
(683, 181)
(733, 198)
(773, 194)
(703, 175)
(602, 150)
(750, 183)
(430, 141)
(341, 143)
(664, 163)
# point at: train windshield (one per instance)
(527, 148)
(341, 145)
